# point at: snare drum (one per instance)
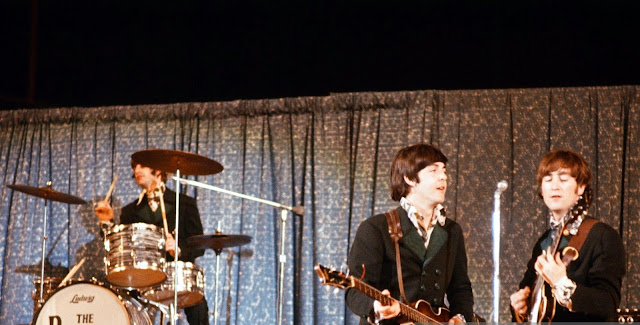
(190, 285)
(90, 303)
(135, 255)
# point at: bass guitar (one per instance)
(541, 308)
(420, 311)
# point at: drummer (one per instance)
(146, 209)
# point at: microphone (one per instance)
(502, 186)
(298, 210)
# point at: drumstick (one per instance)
(72, 272)
(113, 186)
(164, 214)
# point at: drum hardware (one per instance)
(297, 210)
(49, 285)
(176, 162)
(628, 316)
(163, 309)
(48, 194)
(217, 242)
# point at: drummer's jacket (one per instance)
(189, 219)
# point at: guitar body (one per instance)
(441, 314)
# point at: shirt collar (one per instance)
(440, 218)
(572, 227)
(159, 191)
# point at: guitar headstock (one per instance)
(333, 277)
(583, 204)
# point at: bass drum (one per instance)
(89, 303)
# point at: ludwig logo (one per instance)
(76, 299)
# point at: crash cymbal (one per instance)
(47, 193)
(171, 160)
(217, 241)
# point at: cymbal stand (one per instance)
(44, 247)
(161, 307)
(297, 210)
(174, 308)
(215, 296)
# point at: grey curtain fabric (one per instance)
(330, 154)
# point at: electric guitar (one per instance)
(420, 312)
(541, 307)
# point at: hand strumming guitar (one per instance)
(550, 267)
(519, 300)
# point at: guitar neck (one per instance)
(406, 310)
(536, 313)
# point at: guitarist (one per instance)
(588, 289)
(432, 250)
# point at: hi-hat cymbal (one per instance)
(50, 270)
(217, 241)
(47, 193)
(172, 160)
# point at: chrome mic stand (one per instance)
(495, 226)
(297, 210)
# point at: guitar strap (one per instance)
(570, 253)
(395, 232)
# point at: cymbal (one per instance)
(47, 193)
(217, 241)
(49, 269)
(171, 160)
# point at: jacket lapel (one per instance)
(411, 239)
(438, 239)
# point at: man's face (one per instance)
(145, 176)
(560, 191)
(431, 185)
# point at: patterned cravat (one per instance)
(153, 197)
(423, 227)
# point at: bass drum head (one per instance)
(87, 303)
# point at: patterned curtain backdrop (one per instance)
(330, 154)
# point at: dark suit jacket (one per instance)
(597, 272)
(427, 275)
(190, 223)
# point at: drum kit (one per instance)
(140, 282)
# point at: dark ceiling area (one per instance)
(100, 52)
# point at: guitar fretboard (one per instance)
(411, 313)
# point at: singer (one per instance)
(432, 251)
(588, 289)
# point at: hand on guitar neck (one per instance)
(386, 312)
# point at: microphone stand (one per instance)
(174, 310)
(495, 226)
(297, 210)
